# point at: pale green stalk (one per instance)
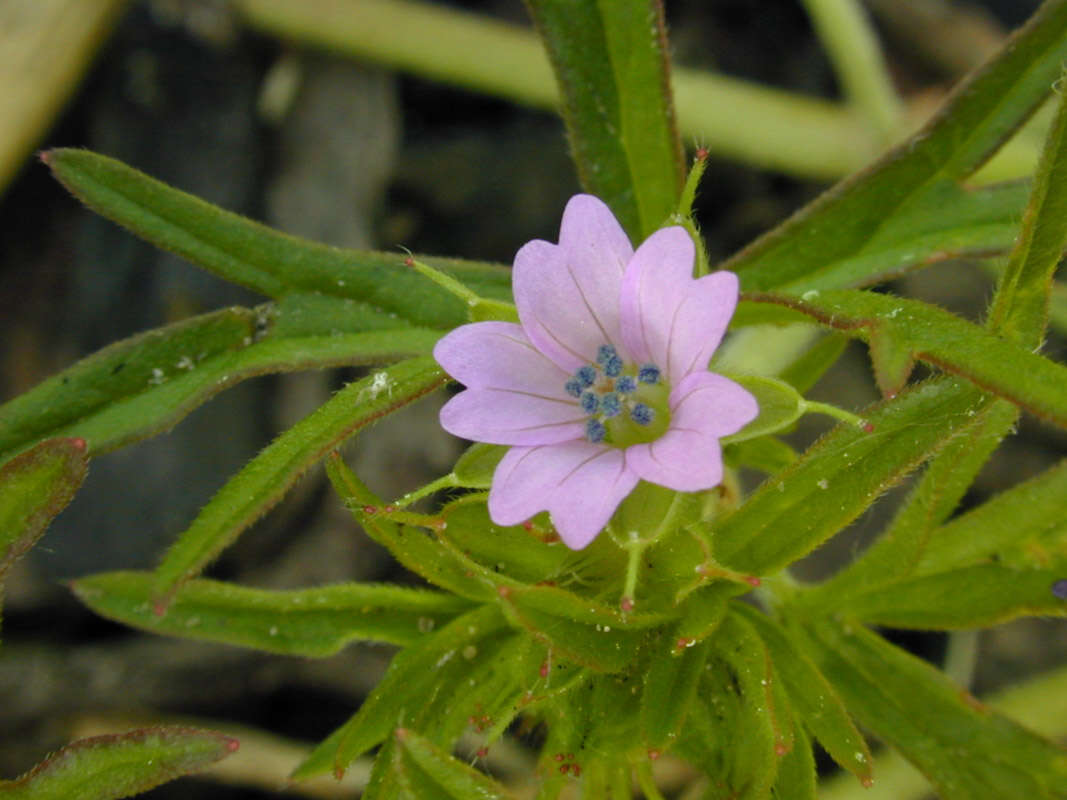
(734, 118)
(852, 45)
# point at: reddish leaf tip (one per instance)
(504, 591)
(867, 781)
(232, 744)
(653, 754)
(752, 581)
(78, 444)
(868, 427)
(626, 604)
(702, 154)
(402, 734)
(46, 157)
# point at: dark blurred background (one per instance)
(356, 157)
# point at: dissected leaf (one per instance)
(265, 479)
(119, 765)
(305, 622)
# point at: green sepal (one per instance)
(423, 770)
(780, 405)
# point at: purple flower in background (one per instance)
(605, 382)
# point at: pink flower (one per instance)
(605, 382)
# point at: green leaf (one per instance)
(610, 61)
(901, 330)
(120, 765)
(1019, 310)
(971, 597)
(265, 479)
(145, 384)
(306, 622)
(426, 771)
(261, 259)
(34, 487)
(511, 551)
(796, 769)
(578, 629)
(967, 751)
(814, 700)
(805, 372)
(68, 403)
(909, 208)
(779, 407)
(741, 678)
(897, 551)
(671, 680)
(413, 677)
(797, 509)
(1012, 520)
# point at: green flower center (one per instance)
(627, 404)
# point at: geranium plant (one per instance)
(598, 580)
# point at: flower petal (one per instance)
(688, 457)
(498, 355)
(669, 318)
(568, 294)
(502, 416)
(580, 484)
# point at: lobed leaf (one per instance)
(967, 751)
(306, 622)
(889, 217)
(265, 479)
(119, 765)
(610, 61)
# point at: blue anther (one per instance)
(613, 367)
(610, 405)
(649, 373)
(642, 414)
(573, 387)
(589, 402)
(585, 376)
(595, 431)
(626, 384)
(605, 353)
